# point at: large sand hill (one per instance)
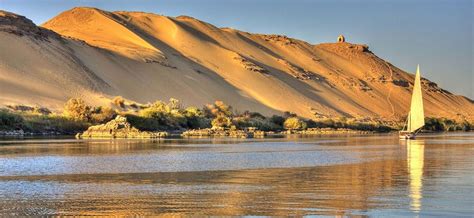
(96, 55)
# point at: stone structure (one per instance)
(341, 38)
(118, 128)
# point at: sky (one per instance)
(437, 34)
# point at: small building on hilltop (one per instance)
(341, 38)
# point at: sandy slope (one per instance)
(145, 57)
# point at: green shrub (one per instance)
(288, 114)
(294, 123)
(119, 101)
(195, 118)
(76, 109)
(176, 119)
(174, 104)
(219, 108)
(164, 116)
(444, 124)
(254, 120)
(10, 121)
(349, 123)
(102, 115)
(263, 124)
(278, 121)
(221, 121)
(144, 123)
(53, 123)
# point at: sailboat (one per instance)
(416, 116)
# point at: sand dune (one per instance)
(96, 55)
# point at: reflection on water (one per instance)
(374, 175)
(415, 160)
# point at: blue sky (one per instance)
(437, 34)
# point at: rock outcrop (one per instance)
(12, 133)
(118, 128)
(251, 132)
(296, 71)
(249, 65)
(20, 25)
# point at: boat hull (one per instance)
(405, 135)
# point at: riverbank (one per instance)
(105, 131)
(21, 133)
(161, 119)
(252, 133)
(121, 128)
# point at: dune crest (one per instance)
(104, 30)
(97, 54)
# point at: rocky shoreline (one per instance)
(21, 133)
(12, 133)
(113, 130)
(253, 133)
(326, 131)
(121, 128)
(221, 132)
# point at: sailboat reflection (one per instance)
(415, 162)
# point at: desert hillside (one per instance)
(96, 55)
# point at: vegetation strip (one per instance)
(212, 120)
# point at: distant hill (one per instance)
(96, 55)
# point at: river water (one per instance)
(375, 175)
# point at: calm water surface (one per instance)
(374, 175)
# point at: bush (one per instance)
(34, 122)
(349, 123)
(221, 121)
(164, 116)
(144, 123)
(294, 123)
(53, 123)
(119, 101)
(195, 118)
(76, 109)
(219, 108)
(102, 115)
(176, 119)
(171, 115)
(263, 124)
(257, 120)
(156, 110)
(174, 104)
(10, 121)
(443, 124)
(278, 121)
(288, 114)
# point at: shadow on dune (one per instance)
(300, 86)
(199, 69)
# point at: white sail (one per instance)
(416, 117)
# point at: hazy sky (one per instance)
(437, 34)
